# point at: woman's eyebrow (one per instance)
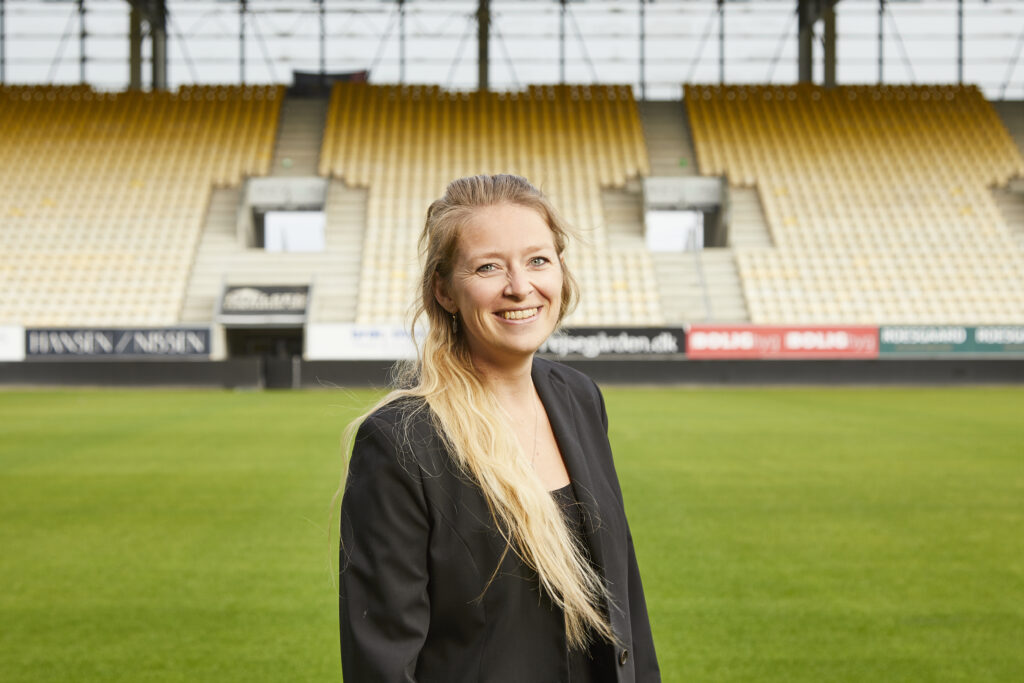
(499, 255)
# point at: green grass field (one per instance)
(783, 534)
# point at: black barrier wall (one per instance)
(742, 372)
(252, 373)
(230, 374)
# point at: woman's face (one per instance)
(506, 283)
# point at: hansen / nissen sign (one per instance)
(161, 342)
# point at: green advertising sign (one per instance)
(928, 340)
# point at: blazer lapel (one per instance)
(565, 423)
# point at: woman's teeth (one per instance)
(519, 315)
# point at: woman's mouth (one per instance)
(520, 314)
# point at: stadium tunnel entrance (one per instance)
(266, 321)
(279, 350)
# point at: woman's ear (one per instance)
(441, 294)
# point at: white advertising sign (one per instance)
(12, 343)
(349, 341)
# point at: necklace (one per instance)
(536, 419)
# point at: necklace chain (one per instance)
(536, 419)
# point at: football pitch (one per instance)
(797, 534)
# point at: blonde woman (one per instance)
(482, 525)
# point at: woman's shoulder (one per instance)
(398, 410)
(396, 418)
(407, 425)
(571, 377)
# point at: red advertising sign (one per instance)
(774, 341)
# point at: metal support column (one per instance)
(401, 41)
(561, 42)
(81, 42)
(3, 43)
(134, 49)
(960, 41)
(643, 49)
(805, 41)
(721, 42)
(828, 18)
(881, 41)
(322, 16)
(483, 36)
(158, 37)
(241, 41)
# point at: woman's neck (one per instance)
(509, 383)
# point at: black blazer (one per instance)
(419, 546)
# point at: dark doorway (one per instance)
(276, 348)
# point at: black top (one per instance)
(583, 664)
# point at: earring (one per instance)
(455, 324)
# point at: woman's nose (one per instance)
(519, 284)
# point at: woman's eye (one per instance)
(539, 261)
(487, 268)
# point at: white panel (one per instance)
(674, 230)
(348, 341)
(294, 230)
(12, 343)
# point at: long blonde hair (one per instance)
(477, 430)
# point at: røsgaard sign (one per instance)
(951, 339)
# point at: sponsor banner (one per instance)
(164, 342)
(777, 341)
(12, 343)
(999, 339)
(348, 341)
(605, 342)
(950, 339)
(921, 338)
(261, 300)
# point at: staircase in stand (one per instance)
(683, 279)
(667, 124)
(299, 135)
(222, 256)
(1010, 200)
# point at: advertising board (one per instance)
(777, 341)
(618, 342)
(941, 340)
(12, 343)
(349, 341)
(53, 343)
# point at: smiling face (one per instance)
(506, 284)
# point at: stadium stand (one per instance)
(404, 143)
(885, 204)
(878, 198)
(103, 195)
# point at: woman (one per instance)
(482, 526)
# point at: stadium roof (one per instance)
(654, 44)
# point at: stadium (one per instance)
(802, 266)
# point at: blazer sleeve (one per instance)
(645, 661)
(383, 607)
